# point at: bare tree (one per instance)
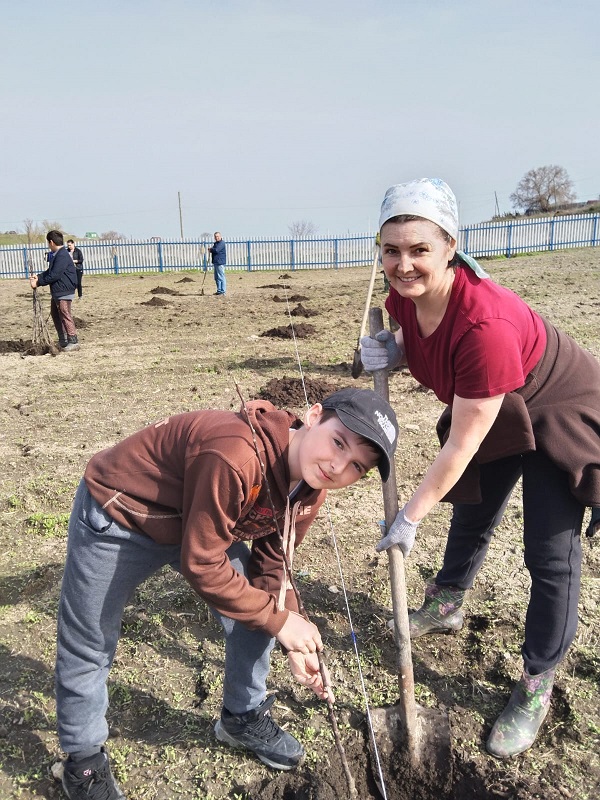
(50, 225)
(32, 232)
(302, 229)
(112, 236)
(544, 187)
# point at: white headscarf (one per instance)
(429, 198)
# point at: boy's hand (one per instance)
(305, 670)
(300, 635)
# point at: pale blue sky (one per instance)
(264, 113)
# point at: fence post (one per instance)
(115, 260)
(249, 255)
(551, 236)
(292, 255)
(467, 232)
(594, 229)
(509, 240)
(25, 265)
(160, 257)
(335, 253)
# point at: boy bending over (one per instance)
(189, 491)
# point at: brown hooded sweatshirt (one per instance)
(195, 479)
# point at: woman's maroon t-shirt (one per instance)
(487, 343)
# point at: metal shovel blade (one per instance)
(423, 769)
(357, 365)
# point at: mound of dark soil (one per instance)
(343, 367)
(27, 348)
(328, 781)
(18, 346)
(80, 323)
(185, 280)
(163, 290)
(302, 331)
(295, 298)
(275, 286)
(285, 391)
(156, 301)
(41, 350)
(300, 311)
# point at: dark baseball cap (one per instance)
(364, 412)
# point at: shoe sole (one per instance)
(441, 631)
(66, 791)
(225, 737)
(436, 627)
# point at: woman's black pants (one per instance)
(552, 520)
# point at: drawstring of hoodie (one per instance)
(288, 544)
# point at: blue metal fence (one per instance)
(501, 238)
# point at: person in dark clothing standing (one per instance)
(61, 277)
(77, 257)
(218, 253)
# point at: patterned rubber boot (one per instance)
(440, 612)
(517, 726)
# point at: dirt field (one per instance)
(151, 345)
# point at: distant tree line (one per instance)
(540, 191)
(35, 233)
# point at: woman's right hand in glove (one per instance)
(382, 352)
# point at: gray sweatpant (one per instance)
(105, 563)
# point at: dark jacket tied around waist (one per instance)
(557, 412)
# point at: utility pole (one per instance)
(497, 206)
(180, 215)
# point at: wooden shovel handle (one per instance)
(396, 567)
(363, 326)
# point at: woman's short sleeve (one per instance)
(488, 360)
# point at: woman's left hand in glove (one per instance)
(402, 533)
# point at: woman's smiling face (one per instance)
(415, 256)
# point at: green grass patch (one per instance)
(51, 526)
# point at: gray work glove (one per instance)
(382, 352)
(402, 533)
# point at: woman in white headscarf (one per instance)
(523, 400)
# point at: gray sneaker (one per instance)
(255, 730)
(72, 344)
(91, 779)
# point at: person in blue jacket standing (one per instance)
(218, 253)
(61, 277)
